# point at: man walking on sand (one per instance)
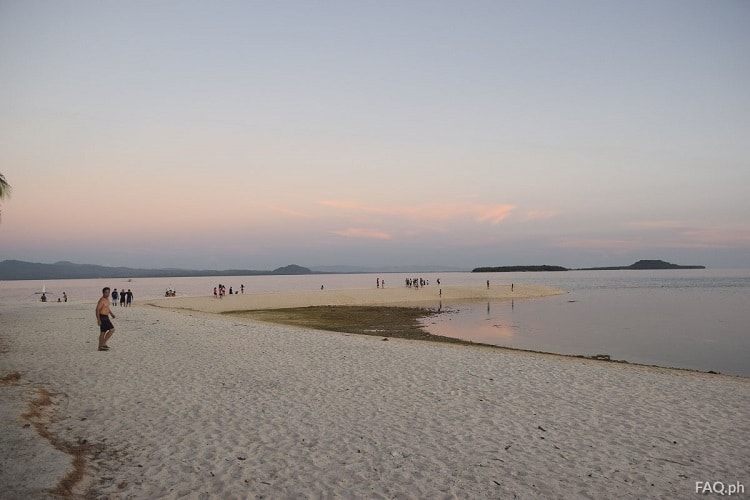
(106, 328)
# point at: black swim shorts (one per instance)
(106, 323)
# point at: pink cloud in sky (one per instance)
(493, 214)
(674, 236)
(681, 235)
(600, 244)
(292, 213)
(540, 214)
(718, 238)
(372, 234)
(657, 224)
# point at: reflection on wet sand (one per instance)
(496, 327)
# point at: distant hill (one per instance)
(640, 265)
(517, 269)
(643, 265)
(20, 270)
(291, 269)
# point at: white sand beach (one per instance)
(187, 404)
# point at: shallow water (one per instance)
(697, 319)
(670, 329)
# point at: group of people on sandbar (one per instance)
(64, 298)
(221, 290)
(124, 298)
(417, 282)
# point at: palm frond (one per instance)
(5, 188)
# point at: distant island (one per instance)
(20, 270)
(517, 269)
(640, 265)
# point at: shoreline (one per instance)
(396, 297)
(259, 315)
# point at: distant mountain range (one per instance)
(20, 270)
(640, 265)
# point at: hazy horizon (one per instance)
(255, 135)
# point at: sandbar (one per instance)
(401, 296)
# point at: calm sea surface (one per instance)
(698, 319)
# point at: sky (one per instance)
(256, 134)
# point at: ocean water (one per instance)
(695, 319)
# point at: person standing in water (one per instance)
(114, 297)
(106, 328)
